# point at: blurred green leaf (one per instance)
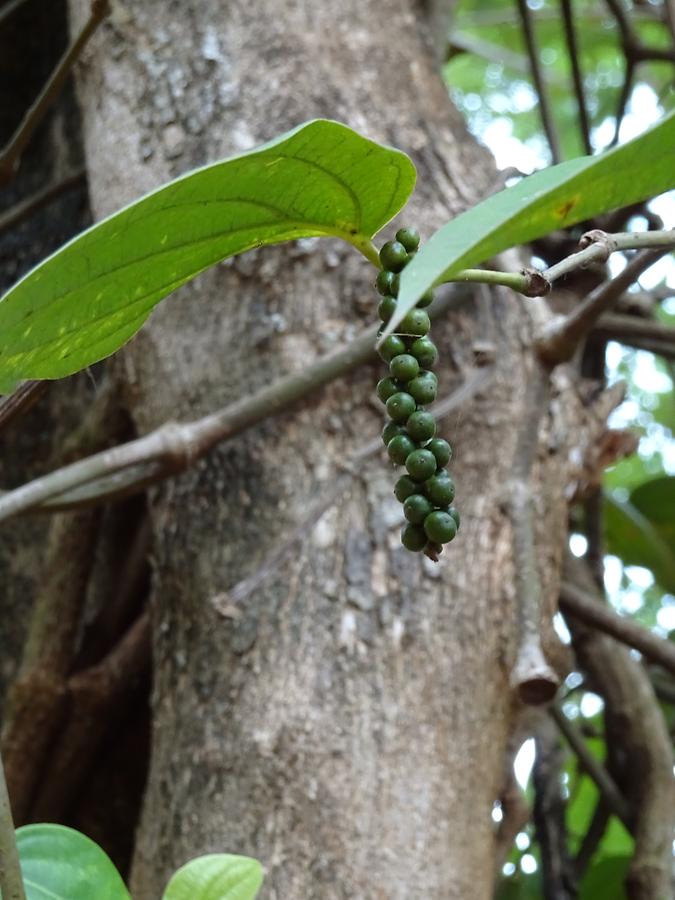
(62, 864)
(85, 301)
(217, 876)
(631, 536)
(604, 879)
(655, 499)
(520, 887)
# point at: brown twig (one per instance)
(594, 834)
(538, 79)
(601, 616)
(36, 701)
(16, 214)
(592, 766)
(577, 77)
(638, 332)
(559, 342)
(11, 155)
(96, 698)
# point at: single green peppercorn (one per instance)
(409, 237)
(386, 388)
(425, 352)
(416, 508)
(404, 487)
(399, 448)
(454, 512)
(391, 346)
(404, 367)
(413, 538)
(421, 426)
(440, 489)
(440, 527)
(426, 299)
(383, 283)
(415, 322)
(386, 307)
(391, 430)
(421, 465)
(393, 256)
(423, 388)
(441, 450)
(400, 407)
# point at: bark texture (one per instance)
(346, 721)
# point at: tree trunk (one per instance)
(345, 721)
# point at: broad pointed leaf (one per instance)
(217, 876)
(85, 301)
(632, 537)
(556, 197)
(59, 863)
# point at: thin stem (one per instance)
(592, 766)
(11, 155)
(538, 79)
(577, 77)
(16, 214)
(11, 880)
(597, 246)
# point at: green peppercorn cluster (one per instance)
(427, 491)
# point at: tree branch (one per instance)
(635, 331)
(596, 246)
(577, 77)
(545, 111)
(11, 155)
(560, 340)
(129, 467)
(592, 766)
(599, 615)
(11, 880)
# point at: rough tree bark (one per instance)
(346, 721)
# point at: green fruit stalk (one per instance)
(426, 491)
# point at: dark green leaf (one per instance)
(85, 301)
(604, 880)
(59, 863)
(655, 499)
(554, 198)
(217, 876)
(631, 536)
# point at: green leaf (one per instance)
(85, 301)
(217, 876)
(553, 198)
(655, 499)
(631, 536)
(604, 880)
(59, 863)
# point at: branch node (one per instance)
(538, 284)
(600, 238)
